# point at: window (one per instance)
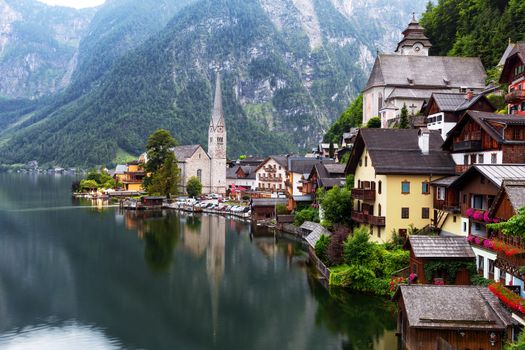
(441, 191)
(425, 188)
(378, 232)
(379, 209)
(360, 162)
(464, 227)
(518, 135)
(493, 158)
(473, 159)
(199, 175)
(481, 159)
(465, 159)
(405, 187)
(404, 213)
(481, 263)
(491, 267)
(523, 106)
(379, 187)
(366, 161)
(455, 218)
(425, 213)
(477, 201)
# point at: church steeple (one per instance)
(414, 41)
(217, 116)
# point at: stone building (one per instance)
(409, 76)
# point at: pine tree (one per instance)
(403, 120)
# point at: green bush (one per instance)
(320, 248)
(308, 214)
(281, 209)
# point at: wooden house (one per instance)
(486, 138)
(428, 250)
(513, 74)
(265, 208)
(444, 109)
(452, 317)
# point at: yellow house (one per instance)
(130, 175)
(393, 169)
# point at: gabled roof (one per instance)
(495, 173)
(439, 247)
(121, 169)
(268, 202)
(453, 307)
(517, 53)
(493, 124)
(396, 151)
(456, 102)
(335, 168)
(316, 231)
(184, 152)
(515, 192)
(427, 71)
(281, 160)
(304, 165)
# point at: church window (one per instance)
(211, 139)
(199, 174)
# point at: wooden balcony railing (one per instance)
(515, 96)
(364, 194)
(467, 146)
(368, 219)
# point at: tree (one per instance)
(337, 204)
(374, 122)
(165, 181)
(350, 118)
(194, 187)
(403, 120)
(515, 226)
(158, 148)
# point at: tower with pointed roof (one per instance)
(217, 143)
(414, 41)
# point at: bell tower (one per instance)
(414, 41)
(217, 143)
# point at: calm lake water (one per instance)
(77, 277)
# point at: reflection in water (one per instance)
(367, 322)
(58, 337)
(158, 280)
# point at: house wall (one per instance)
(453, 228)
(246, 183)
(190, 167)
(392, 200)
(270, 186)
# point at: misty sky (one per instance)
(74, 3)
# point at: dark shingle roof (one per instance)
(454, 102)
(440, 247)
(268, 202)
(445, 72)
(316, 232)
(396, 151)
(445, 181)
(184, 152)
(303, 165)
(453, 307)
(335, 168)
(516, 193)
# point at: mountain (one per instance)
(38, 46)
(289, 68)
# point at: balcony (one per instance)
(271, 179)
(364, 194)
(368, 219)
(467, 146)
(269, 169)
(516, 96)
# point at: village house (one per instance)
(266, 208)
(130, 175)
(410, 76)
(241, 177)
(324, 176)
(444, 110)
(472, 195)
(452, 317)
(427, 251)
(271, 175)
(299, 169)
(393, 169)
(513, 74)
(510, 259)
(323, 150)
(486, 138)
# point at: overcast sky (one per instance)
(74, 3)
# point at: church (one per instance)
(209, 167)
(410, 75)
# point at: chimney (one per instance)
(424, 140)
(470, 94)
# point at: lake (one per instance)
(77, 276)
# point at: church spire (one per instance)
(217, 115)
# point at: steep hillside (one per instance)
(38, 46)
(289, 67)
